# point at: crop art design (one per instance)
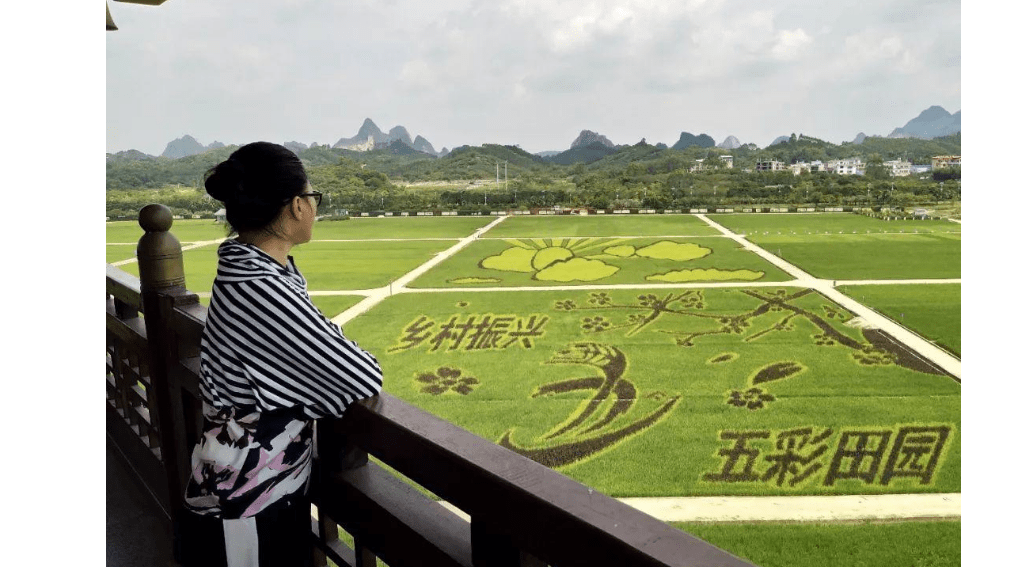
(471, 332)
(446, 379)
(823, 455)
(565, 260)
(694, 320)
(591, 428)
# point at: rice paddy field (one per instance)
(932, 310)
(656, 356)
(854, 247)
(602, 226)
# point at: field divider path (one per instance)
(835, 508)
(908, 338)
(377, 295)
(191, 246)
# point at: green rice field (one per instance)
(828, 223)
(676, 390)
(601, 225)
(931, 310)
(697, 370)
(367, 228)
(333, 305)
(186, 230)
(869, 256)
(924, 544)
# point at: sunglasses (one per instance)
(316, 194)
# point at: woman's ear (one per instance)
(295, 208)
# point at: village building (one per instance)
(941, 162)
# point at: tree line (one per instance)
(638, 176)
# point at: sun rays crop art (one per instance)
(583, 260)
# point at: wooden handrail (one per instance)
(540, 511)
(522, 513)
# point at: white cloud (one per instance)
(417, 74)
(790, 43)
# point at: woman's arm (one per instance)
(292, 354)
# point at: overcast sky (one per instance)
(532, 72)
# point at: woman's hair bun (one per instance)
(225, 181)
(255, 183)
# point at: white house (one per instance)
(769, 165)
(851, 166)
(940, 162)
(898, 168)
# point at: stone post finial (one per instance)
(159, 253)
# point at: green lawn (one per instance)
(119, 252)
(359, 228)
(333, 305)
(362, 265)
(827, 223)
(916, 544)
(868, 256)
(329, 266)
(931, 310)
(692, 375)
(192, 230)
(603, 225)
(186, 230)
(199, 266)
(565, 261)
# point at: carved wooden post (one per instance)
(336, 453)
(493, 549)
(162, 286)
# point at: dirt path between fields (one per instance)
(191, 246)
(375, 296)
(846, 508)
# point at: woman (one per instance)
(271, 363)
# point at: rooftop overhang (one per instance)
(111, 23)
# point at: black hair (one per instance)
(254, 184)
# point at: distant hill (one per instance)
(780, 140)
(583, 154)
(587, 137)
(188, 146)
(731, 143)
(423, 145)
(934, 122)
(401, 148)
(370, 137)
(687, 140)
(367, 137)
(399, 133)
(130, 155)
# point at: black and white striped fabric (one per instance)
(270, 364)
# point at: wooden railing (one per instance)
(516, 512)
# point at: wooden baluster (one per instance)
(362, 556)
(336, 453)
(493, 549)
(162, 283)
